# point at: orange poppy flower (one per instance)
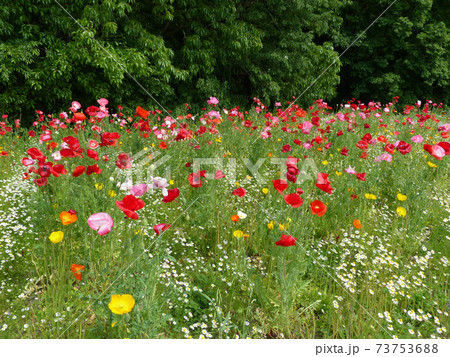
(76, 270)
(357, 224)
(79, 117)
(142, 112)
(318, 208)
(68, 217)
(235, 218)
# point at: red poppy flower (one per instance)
(367, 137)
(123, 161)
(194, 178)
(318, 208)
(76, 270)
(92, 110)
(92, 154)
(73, 143)
(404, 147)
(162, 145)
(129, 205)
(323, 183)
(78, 171)
(68, 153)
(363, 145)
(93, 169)
(390, 148)
(361, 176)
(344, 151)
(286, 241)
(36, 154)
(239, 192)
(293, 200)
(159, 228)
(42, 181)
(445, 146)
(58, 169)
(353, 197)
(171, 195)
(44, 169)
(280, 185)
(364, 155)
(339, 133)
(286, 148)
(109, 139)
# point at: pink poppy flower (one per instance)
(93, 144)
(159, 228)
(417, 139)
(159, 183)
(101, 222)
(139, 190)
(219, 175)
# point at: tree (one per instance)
(405, 53)
(176, 51)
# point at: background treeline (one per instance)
(183, 51)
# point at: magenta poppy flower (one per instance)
(139, 190)
(101, 222)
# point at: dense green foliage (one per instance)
(188, 50)
(405, 53)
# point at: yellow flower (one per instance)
(401, 197)
(325, 162)
(246, 235)
(171, 182)
(265, 191)
(248, 177)
(401, 211)
(111, 193)
(431, 164)
(99, 186)
(237, 184)
(279, 139)
(146, 148)
(281, 227)
(369, 196)
(113, 324)
(338, 173)
(121, 304)
(219, 140)
(56, 237)
(270, 225)
(238, 234)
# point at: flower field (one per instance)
(281, 222)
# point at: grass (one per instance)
(210, 277)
